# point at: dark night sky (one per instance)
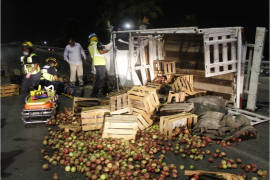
(40, 20)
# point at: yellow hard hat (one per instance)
(27, 44)
(93, 37)
(51, 59)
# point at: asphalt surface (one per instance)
(21, 158)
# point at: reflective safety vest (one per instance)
(98, 59)
(28, 66)
(45, 74)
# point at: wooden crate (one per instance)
(182, 83)
(93, 119)
(120, 126)
(178, 96)
(76, 100)
(10, 90)
(164, 67)
(118, 102)
(144, 98)
(143, 119)
(175, 108)
(168, 123)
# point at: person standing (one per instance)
(73, 55)
(31, 68)
(97, 51)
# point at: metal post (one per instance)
(250, 54)
(114, 60)
(130, 57)
(239, 58)
(255, 69)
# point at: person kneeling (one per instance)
(49, 75)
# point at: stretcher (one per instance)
(40, 106)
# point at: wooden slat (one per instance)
(213, 87)
(121, 111)
(125, 131)
(93, 121)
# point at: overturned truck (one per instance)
(216, 58)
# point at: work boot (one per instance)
(81, 84)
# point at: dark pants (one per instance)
(30, 83)
(101, 76)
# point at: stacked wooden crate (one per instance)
(10, 90)
(184, 83)
(168, 123)
(93, 119)
(164, 67)
(119, 104)
(164, 70)
(120, 126)
(143, 102)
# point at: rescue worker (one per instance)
(49, 76)
(31, 68)
(73, 55)
(97, 51)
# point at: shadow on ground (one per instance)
(8, 158)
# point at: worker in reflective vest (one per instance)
(96, 50)
(49, 71)
(49, 76)
(31, 68)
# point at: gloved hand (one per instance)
(28, 75)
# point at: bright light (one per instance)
(127, 25)
(45, 42)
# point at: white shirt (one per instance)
(73, 54)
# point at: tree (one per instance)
(135, 10)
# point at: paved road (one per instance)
(21, 157)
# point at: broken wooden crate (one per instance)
(164, 67)
(144, 98)
(10, 90)
(79, 103)
(120, 126)
(175, 108)
(93, 119)
(184, 83)
(118, 102)
(169, 123)
(143, 119)
(177, 96)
